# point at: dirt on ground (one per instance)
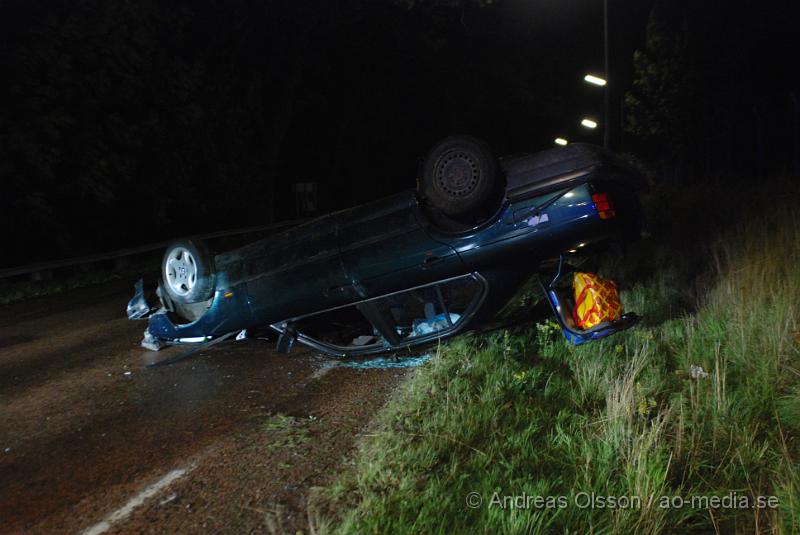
(227, 441)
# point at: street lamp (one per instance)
(606, 94)
(602, 82)
(596, 80)
(561, 141)
(588, 123)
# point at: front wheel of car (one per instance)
(187, 272)
(460, 177)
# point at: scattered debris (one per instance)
(168, 499)
(386, 362)
(151, 342)
(362, 340)
(697, 372)
(138, 307)
(434, 324)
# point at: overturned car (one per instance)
(414, 267)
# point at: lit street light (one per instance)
(606, 94)
(596, 80)
(560, 141)
(588, 123)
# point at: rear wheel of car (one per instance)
(187, 272)
(460, 177)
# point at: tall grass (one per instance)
(700, 401)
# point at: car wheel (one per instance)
(460, 177)
(187, 272)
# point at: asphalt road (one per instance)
(228, 441)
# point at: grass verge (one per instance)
(22, 291)
(669, 427)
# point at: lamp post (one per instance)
(606, 94)
(603, 82)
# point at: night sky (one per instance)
(129, 123)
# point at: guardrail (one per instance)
(36, 270)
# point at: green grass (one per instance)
(520, 413)
(22, 291)
(13, 292)
(288, 432)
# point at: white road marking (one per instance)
(136, 501)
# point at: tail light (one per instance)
(605, 210)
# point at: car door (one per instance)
(384, 248)
(401, 319)
(297, 272)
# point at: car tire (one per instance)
(460, 177)
(187, 272)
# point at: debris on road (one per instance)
(385, 362)
(697, 372)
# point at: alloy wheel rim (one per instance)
(181, 271)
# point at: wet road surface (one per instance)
(228, 441)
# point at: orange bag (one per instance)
(596, 300)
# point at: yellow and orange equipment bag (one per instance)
(596, 300)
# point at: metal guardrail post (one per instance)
(44, 270)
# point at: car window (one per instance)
(431, 309)
(398, 319)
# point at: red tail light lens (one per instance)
(605, 210)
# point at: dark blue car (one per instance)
(412, 268)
